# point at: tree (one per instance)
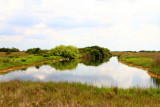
(33, 51)
(96, 52)
(9, 50)
(65, 51)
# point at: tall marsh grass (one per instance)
(157, 61)
(64, 94)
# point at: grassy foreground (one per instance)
(149, 60)
(26, 93)
(21, 58)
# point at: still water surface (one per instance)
(107, 74)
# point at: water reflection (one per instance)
(94, 62)
(156, 81)
(110, 74)
(65, 65)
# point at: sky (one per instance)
(119, 25)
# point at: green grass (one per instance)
(142, 61)
(116, 55)
(15, 60)
(145, 62)
(26, 93)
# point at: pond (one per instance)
(101, 73)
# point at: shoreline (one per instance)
(140, 67)
(24, 66)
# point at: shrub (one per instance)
(23, 60)
(65, 51)
(33, 51)
(13, 56)
(46, 55)
(8, 53)
(96, 52)
(37, 51)
(5, 60)
(9, 49)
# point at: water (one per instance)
(102, 73)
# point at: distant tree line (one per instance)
(38, 51)
(138, 51)
(9, 50)
(148, 51)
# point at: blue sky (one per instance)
(114, 24)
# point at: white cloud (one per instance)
(16, 38)
(109, 23)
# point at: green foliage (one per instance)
(94, 62)
(65, 65)
(9, 50)
(15, 60)
(13, 56)
(147, 51)
(37, 51)
(33, 51)
(96, 52)
(65, 51)
(143, 61)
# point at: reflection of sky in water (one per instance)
(108, 74)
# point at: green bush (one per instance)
(37, 51)
(9, 50)
(45, 55)
(65, 51)
(95, 52)
(33, 51)
(23, 60)
(8, 53)
(5, 60)
(13, 56)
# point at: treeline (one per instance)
(148, 51)
(9, 50)
(38, 51)
(138, 51)
(94, 52)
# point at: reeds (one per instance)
(26, 93)
(157, 61)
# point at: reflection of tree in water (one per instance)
(24, 69)
(94, 62)
(156, 81)
(65, 65)
(37, 66)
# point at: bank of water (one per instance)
(107, 74)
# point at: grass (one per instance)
(26, 93)
(145, 62)
(149, 60)
(21, 58)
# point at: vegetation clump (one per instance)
(9, 50)
(65, 51)
(65, 65)
(95, 52)
(38, 51)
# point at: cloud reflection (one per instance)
(111, 74)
